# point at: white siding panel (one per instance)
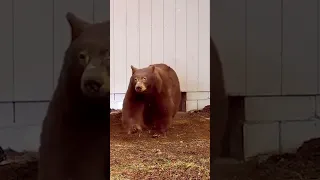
(300, 63)
(204, 46)
(228, 32)
(145, 33)
(6, 46)
(120, 44)
(263, 47)
(101, 10)
(33, 50)
(112, 63)
(169, 40)
(132, 37)
(181, 43)
(192, 45)
(157, 31)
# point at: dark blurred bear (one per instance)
(152, 99)
(218, 102)
(75, 132)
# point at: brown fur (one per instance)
(219, 101)
(75, 131)
(158, 104)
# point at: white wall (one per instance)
(34, 35)
(270, 53)
(174, 32)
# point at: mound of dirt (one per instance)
(302, 165)
(18, 165)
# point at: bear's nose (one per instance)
(138, 88)
(92, 86)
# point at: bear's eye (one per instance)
(144, 78)
(83, 57)
(135, 79)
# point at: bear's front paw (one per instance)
(134, 129)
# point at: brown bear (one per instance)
(152, 99)
(74, 142)
(219, 101)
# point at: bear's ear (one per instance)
(77, 25)
(152, 68)
(133, 69)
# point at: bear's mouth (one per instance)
(93, 88)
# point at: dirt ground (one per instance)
(183, 154)
(304, 164)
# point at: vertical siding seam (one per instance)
(315, 105)
(93, 15)
(13, 63)
(126, 64)
(139, 33)
(198, 47)
(162, 31)
(186, 77)
(280, 137)
(151, 29)
(113, 47)
(175, 34)
(317, 46)
(281, 58)
(53, 49)
(245, 47)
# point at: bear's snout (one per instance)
(92, 86)
(138, 88)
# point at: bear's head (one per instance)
(145, 80)
(88, 56)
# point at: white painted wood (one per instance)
(263, 47)
(112, 72)
(318, 92)
(299, 63)
(30, 113)
(157, 31)
(197, 95)
(181, 43)
(145, 33)
(318, 106)
(192, 44)
(21, 138)
(33, 50)
(191, 105)
(293, 134)
(204, 46)
(6, 46)
(62, 32)
(6, 118)
(161, 31)
(280, 108)
(169, 40)
(228, 31)
(203, 103)
(132, 37)
(120, 45)
(260, 139)
(101, 10)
